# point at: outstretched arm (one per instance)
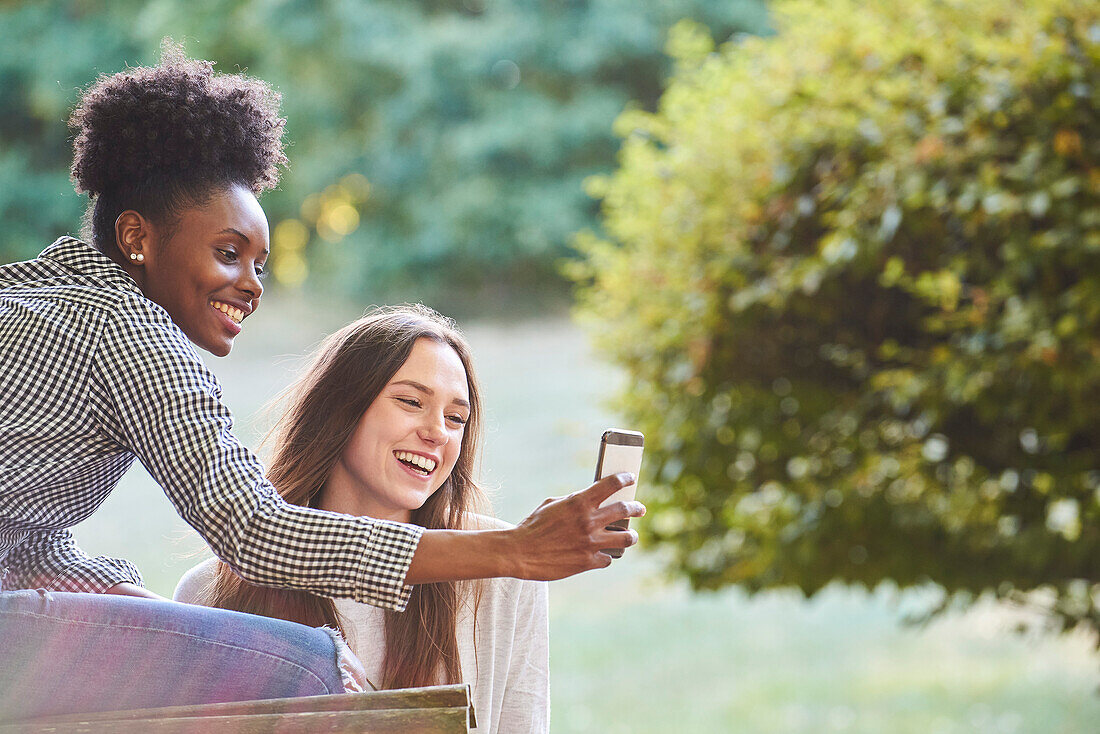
(564, 536)
(153, 395)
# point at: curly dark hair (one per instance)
(164, 138)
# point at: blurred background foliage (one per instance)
(438, 147)
(853, 273)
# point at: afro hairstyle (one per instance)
(164, 138)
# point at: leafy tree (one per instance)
(48, 51)
(433, 141)
(853, 272)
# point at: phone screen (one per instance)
(620, 451)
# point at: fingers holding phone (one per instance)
(583, 531)
(620, 452)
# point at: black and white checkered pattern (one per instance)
(92, 374)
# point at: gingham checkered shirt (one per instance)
(94, 374)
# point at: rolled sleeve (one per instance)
(52, 560)
(387, 570)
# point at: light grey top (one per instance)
(503, 648)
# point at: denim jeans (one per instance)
(79, 653)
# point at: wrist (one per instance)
(507, 551)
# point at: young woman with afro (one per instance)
(98, 367)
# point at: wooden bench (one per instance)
(432, 710)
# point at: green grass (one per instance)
(629, 651)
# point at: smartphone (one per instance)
(620, 451)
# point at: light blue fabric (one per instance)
(78, 653)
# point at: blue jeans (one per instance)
(79, 653)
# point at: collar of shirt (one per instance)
(85, 259)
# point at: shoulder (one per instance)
(194, 586)
(72, 278)
(138, 332)
(133, 311)
(74, 272)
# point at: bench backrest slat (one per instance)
(446, 720)
(432, 709)
(430, 697)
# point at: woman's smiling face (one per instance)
(206, 272)
(407, 442)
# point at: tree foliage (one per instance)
(431, 140)
(853, 272)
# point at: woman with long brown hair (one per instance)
(385, 423)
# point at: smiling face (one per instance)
(205, 273)
(407, 442)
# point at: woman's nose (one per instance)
(251, 285)
(434, 430)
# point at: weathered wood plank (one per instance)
(452, 720)
(418, 698)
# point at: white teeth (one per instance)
(428, 465)
(234, 313)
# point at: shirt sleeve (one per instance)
(156, 397)
(52, 560)
(526, 704)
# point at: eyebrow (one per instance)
(243, 236)
(428, 391)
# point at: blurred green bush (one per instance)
(434, 143)
(853, 272)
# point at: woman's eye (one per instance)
(457, 420)
(410, 402)
(229, 255)
(261, 273)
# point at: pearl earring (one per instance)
(137, 257)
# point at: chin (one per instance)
(411, 504)
(219, 349)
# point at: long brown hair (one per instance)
(323, 408)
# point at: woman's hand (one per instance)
(564, 536)
(127, 589)
(567, 535)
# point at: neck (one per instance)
(343, 494)
(136, 272)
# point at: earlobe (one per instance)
(132, 233)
